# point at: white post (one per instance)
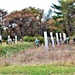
(0, 37)
(15, 39)
(60, 37)
(8, 39)
(8, 36)
(57, 38)
(64, 37)
(52, 39)
(46, 40)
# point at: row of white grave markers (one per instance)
(52, 39)
(9, 39)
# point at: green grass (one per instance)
(14, 48)
(37, 70)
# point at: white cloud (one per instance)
(12, 5)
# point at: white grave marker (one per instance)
(57, 38)
(46, 40)
(15, 39)
(8, 36)
(0, 37)
(64, 36)
(52, 39)
(60, 37)
(8, 39)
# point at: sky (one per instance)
(12, 5)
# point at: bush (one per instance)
(29, 38)
(5, 37)
(41, 38)
(32, 39)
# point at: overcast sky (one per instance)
(12, 5)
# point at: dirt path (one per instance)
(60, 54)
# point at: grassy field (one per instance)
(34, 69)
(37, 70)
(14, 48)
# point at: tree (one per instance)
(2, 17)
(25, 22)
(53, 22)
(48, 15)
(66, 9)
(38, 12)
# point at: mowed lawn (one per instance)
(37, 70)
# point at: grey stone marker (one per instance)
(46, 40)
(57, 38)
(15, 39)
(52, 39)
